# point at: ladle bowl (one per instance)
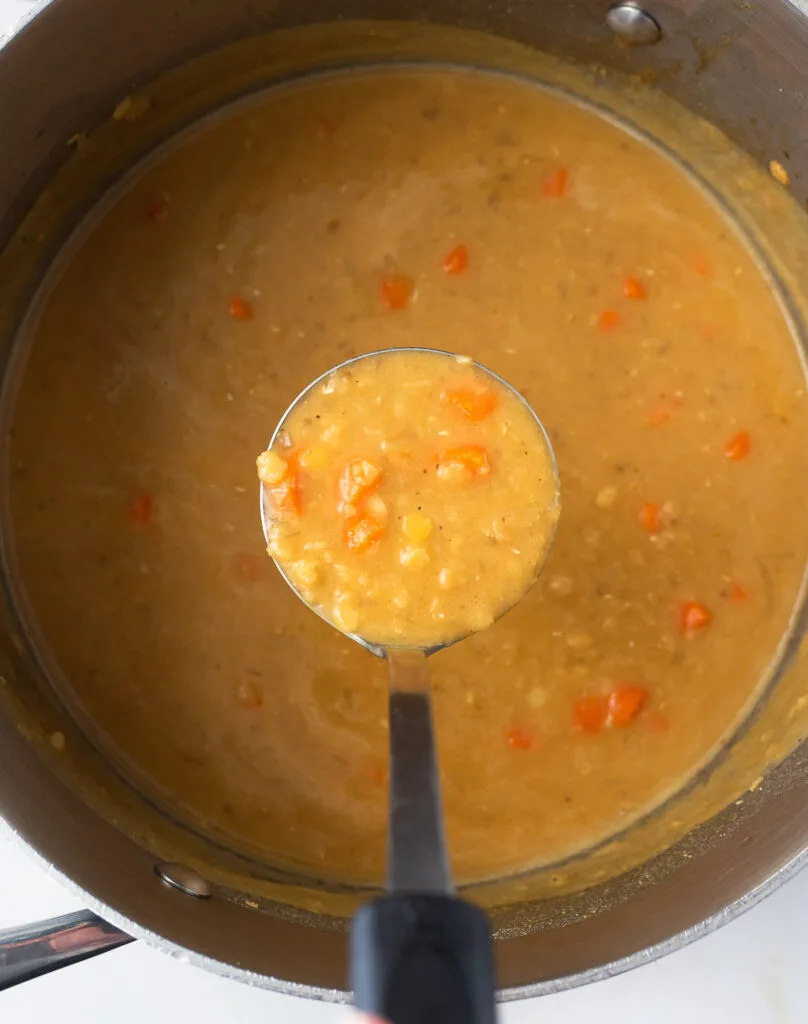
(383, 651)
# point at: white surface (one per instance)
(752, 972)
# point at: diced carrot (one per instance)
(249, 568)
(738, 447)
(324, 127)
(700, 263)
(633, 288)
(140, 509)
(736, 592)
(554, 185)
(474, 400)
(396, 290)
(358, 479)
(693, 615)
(456, 261)
(624, 704)
(285, 496)
(520, 738)
(665, 408)
(651, 517)
(609, 320)
(157, 212)
(249, 696)
(240, 309)
(589, 713)
(464, 464)
(362, 532)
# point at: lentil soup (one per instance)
(454, 210)
(412, 497)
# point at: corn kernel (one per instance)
(315, 460)
(332, 434)
(606, 497)
(271, 468)
(304, 573)
(417, 527)
(344, 615)
(414, 557)
(376, 508)
(455, 472)
(280, 547)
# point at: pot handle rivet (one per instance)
(632, 24)
(178, 876)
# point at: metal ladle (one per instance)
(419, 954)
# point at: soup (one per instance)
(411, 498)
(599, 280)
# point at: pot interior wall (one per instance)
(738, 68)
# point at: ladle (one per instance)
(419, 954)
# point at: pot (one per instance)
(737, 831)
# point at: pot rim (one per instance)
(332, 995)
(649, 954)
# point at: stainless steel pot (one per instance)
(709, 854)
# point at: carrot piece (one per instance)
(285, 496)
(324, 127)
(609, 320)
(665, 408)
(520, 738)
(396, 290)
(249, 696)
(474, 400)
(624, 704)
(589, 713)
(456, 261)
(659, 415)
(463, 464)
(554, 185)
(240, 309)
(736, 592)
(651, 517)
(362, 532)
(738, 447)
(708, 332)
(633, 288)
(693, 615)
(247, 567)
(140, 509)
(157, 212)
(358, 479)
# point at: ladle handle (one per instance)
(423, 960)
(31, 950)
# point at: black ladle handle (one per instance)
(423, 960)
(419, 955)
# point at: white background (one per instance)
(754, 971)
